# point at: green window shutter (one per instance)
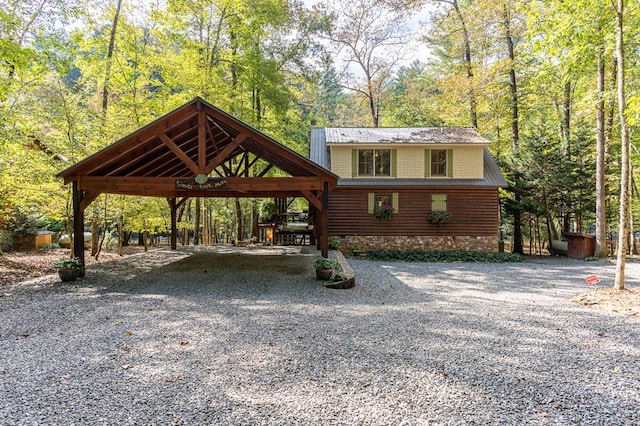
(394, 158)
(354, 163)
(394, 202)
(371, 202)
(427, 163)
(450, 163)
(438, 202)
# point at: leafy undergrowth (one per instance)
(16, 267)
(442, 256)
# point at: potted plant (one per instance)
(334, 242)
(383, 212)
(325, 267)
(439, 217)
(356, 250)
(68, 269)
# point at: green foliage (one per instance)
(327, 263)
(267, 208)
(7, 241)
(442, 256)
(74, 264)
(439, 217)
(264, 62)
(383, 212)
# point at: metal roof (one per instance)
(318, 150)
(404, 135)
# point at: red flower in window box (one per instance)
(439, 217)
(383, 212)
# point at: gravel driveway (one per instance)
(219, 336)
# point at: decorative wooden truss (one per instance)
(199, 150)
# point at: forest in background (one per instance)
(541, 79)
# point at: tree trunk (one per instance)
(624, 158)
(196, 230)
(120, 234)
(94, 236)
(206, 226)
(213, 60)
(515, 134)
(255, 231)
(467, 60)
(109, 60)
(566, 122)
(601, 211)
(239, 227)
(632, 237)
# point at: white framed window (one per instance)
(438, 163)
(373, 162)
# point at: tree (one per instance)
(370, 36)
(468, 64)
(515, 125)
(624, 158)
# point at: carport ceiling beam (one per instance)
(167, 185)
(179, 153)
(226, 152)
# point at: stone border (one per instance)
(346, 279)
(428, 243)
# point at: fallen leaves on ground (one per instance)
(625, 302)
(16, 267)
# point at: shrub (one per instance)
(443, 256)
(68, 264)
(326, 263)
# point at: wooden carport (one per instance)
(199, 150)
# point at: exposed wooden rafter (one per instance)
(226, 152)
(180, 153)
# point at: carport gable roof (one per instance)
(194, 139)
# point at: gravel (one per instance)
(244, 337)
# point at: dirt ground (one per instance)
(625, 302)
(16, 267)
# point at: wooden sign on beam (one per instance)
(201, 182)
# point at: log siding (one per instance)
(474, 211)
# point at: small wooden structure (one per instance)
(199, 150)
(580, 246)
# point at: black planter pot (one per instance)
(68, 274)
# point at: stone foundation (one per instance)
(427, 243)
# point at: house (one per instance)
(411, 172)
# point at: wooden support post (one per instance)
(324, 243)
(317, 228)
(173, 206)
(78, 225)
